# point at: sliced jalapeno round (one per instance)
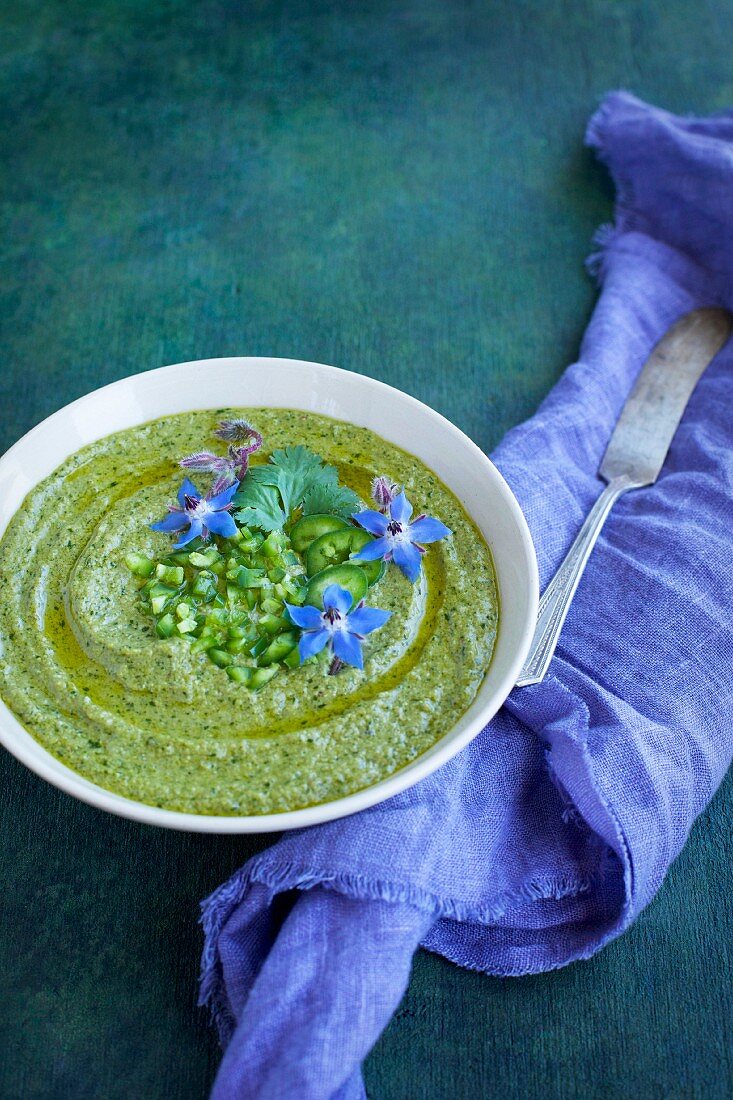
(336, 547)
(309, 528)
(347, 576)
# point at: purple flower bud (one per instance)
(227, 468)
(239, 431)
(204, 462)
(384, 491)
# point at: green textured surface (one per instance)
(398, 188)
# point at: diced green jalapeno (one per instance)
(271, 606)
(248, 578)
(170, 574)
(261, 676)
(279, 648)
(160, 597)
(251, 578)
(204, 586)
(272, 545)
(252, 544)
(244, 613)
(292, 585)
(206, 559)
(139, 565)
(220, 657)
(260, 646)
(180, 557)
(219, 616)
(293, 658)
(159, 589)
(237, 631)
(166, 626)
(272, 623)
(239, 674)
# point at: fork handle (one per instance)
(558, 595)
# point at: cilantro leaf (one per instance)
(259, 502)
(327, 495)
(294, 470)
(294, 477)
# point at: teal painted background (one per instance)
(400, 189)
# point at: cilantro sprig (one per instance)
(294, 478)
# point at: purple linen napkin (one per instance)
(545, 838)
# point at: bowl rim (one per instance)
(47, 766)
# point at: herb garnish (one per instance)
(293, 478)
(237, 587)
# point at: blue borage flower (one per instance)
(397, 539)
(337, 626)
(202, 515)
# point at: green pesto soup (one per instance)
(148, 713)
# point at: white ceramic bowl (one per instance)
(290, 383)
